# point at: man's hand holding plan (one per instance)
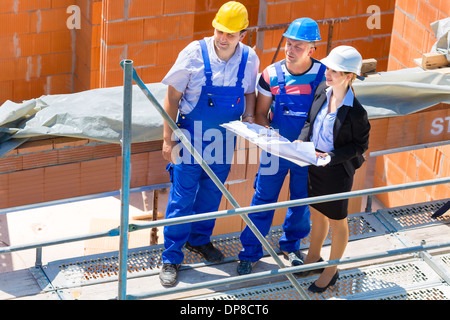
(301, 153)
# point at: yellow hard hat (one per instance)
(232, 17)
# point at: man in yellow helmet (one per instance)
(212, 82)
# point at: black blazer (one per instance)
(350, 133)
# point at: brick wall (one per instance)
(36, 56)
(60, 168)
(372, 42)
(411, 37)
(41, 55)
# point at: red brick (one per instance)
(32, 5)
(6, 91)
(426, 14)
(60, 84)
(6, 6)
(114, 55)
(414, 34)
(62, 181)
(40, 159)
(70, 155)
(8, 68)
(29, 89)
(203, 22)
(139, 170)
(35, 146)
(399, 22)
(124, 32)
(143, 54)
(157, 169)
(99, 175)
(96, 12)
(363, 5)
(61, 41)
(277, 13)
(56, 63)
(409, 6)
(171, 7)
(444, 8)
(32, 44)
(146, 8)
(62, 3)
(399, 49)
(107, 151)
(7, 43)
(26, 187)
(113, 9)
(312, 9)
(394, 174)
(14, 23)
(67, 142)
(52, 20)
(355, 27)
(165, 27)
(337, 9)
(11, 164)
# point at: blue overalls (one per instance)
(290, 113)
(192, 190)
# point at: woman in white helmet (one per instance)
(338, 125)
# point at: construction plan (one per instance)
(300, 153)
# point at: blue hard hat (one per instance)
(304, 29)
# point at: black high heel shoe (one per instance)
(310, 272)
(316, 289)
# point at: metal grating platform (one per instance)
(403, 280)
(147, 261)
(413, 216)
(408, 279)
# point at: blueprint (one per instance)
(300, 153)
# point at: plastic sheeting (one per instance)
(403, 92)
(441, 31)
(97, 114)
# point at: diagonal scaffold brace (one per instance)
(214, 178)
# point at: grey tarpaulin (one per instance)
(96, 114)
(398, 93)
(441, 31)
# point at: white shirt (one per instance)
(322, 135)
(187, 75)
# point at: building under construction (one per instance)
(62, 73)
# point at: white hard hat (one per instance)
(345, 59)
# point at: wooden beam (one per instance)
(368, 66)
(434, 60)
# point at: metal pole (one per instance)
(125, 190)
(216, 181)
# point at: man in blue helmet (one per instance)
(285, 94)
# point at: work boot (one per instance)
(296, 258)
(245, 267)
(169, 274)
(207, 251)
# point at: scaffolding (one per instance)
(125, 227)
